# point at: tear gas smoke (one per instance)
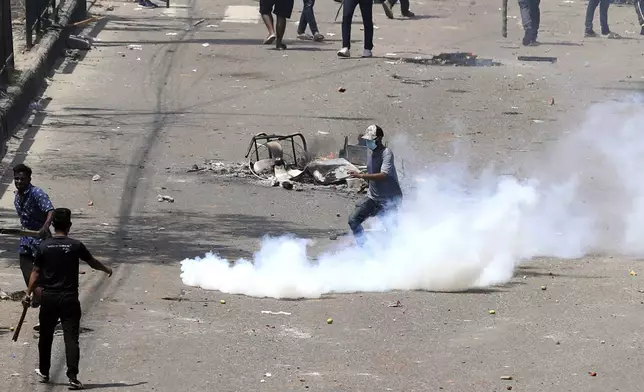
(457, 232)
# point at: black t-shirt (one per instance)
(58, 258)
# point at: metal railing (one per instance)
(38, 18)
(6, 44)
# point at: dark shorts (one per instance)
(283, 8)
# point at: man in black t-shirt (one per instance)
(56, 271)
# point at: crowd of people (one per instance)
(283, 9)
(530, 16)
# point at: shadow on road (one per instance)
(165, 237)
(100, 386)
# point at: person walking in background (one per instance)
(308, 17)
(388, 6)
(603, 19)
(282, 10)
(531, 18)
(366, 9)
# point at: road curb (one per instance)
(20, 95)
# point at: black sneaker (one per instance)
(75, 385)
(642, 31)
(386, 6)
(590, 34)
(408, 14)
(43, 378)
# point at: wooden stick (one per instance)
(504, 19)
(338, 13)
(19, 326)
(19, 232)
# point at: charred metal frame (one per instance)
(274, 138)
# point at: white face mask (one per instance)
(371, 144)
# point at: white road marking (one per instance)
(241, 14)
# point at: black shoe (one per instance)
(408, 14)
(44, 379)
(642, 31)
(527, 41)
(75, 385)
(590, 34)
(387, 7)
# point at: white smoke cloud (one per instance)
(456, 232)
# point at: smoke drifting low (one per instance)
(458, 232)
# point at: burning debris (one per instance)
(282, 160)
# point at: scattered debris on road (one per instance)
(418, 82)
(161, 198)
(492, 311)
(397, 304)
(197, 23)
(633, 273)
(506, 378)
(135, 47)
(78, 42)
(223, 302)
(456, 59)
(329, 321)
(96, 177)
(341, 89)
(14, 296)
(537, 58)
(592, 374)
(544, 288)
(284, 160)
(271, 312)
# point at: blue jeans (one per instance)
(531, 18)
(368, 208)
(308, 17)
(366, 9)
(603, 15)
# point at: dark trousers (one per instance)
(404, 5)
(603, 15)
(308, 17)
(365, 209)
(26, 266)
(66, 307)
(531, 18)
(639, 8)
(367, 21)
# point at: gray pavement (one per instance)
(141, 118)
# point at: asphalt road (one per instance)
(140, 117)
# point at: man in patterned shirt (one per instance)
(35, 211)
